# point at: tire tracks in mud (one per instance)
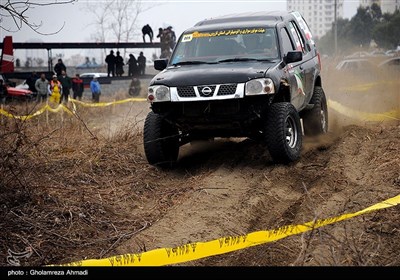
(240, 190)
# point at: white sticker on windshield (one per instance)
(187, 37)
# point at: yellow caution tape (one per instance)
(394, 114)
(59, 108)
(104, 104)
(62, 107)
(198, 250)
(348, 112)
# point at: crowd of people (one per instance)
(167, 38)
(137, 66)
(59, 87)
(115, 64)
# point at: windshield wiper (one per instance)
(243, 59)
(237, 59)
(192, 62)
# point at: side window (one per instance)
(286, 42)
(297, 37)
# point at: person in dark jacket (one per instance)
(141, 63)
(59, 67)
(135, 87)
(147, 30)
(31, 81)
(77, 87)
(66, 84)
(119, 65)
(3, 92)
(110, 60)
(132, 65)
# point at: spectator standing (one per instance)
(55, 90)
(132, 65)
(119, 65)
(141, 63)
(66, 83)
(3, 92)
(135, 87)
(95, 88)
(160, 33)
(147, 30)
(110, 60)
(59, 67)
(41, 86)
(31, 81)
(77, 87)
(167, 40)
(171, 37)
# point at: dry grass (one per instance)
(77, 186)
(70, 193)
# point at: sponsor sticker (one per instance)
(187, 37)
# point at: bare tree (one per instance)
(17, 11)
(116, 19)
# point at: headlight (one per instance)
(260, 86)
(158, 94)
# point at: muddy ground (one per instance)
(79, 187)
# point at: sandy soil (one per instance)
(103, 199)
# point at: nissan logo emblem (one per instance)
(206, 91)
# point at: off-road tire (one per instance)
(283, 134)
(315, 120)
(161, 141)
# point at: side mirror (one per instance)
(160, 64)
(293, 57)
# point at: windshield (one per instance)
(217, 46)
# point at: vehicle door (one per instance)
(293, 72)
(310, 60)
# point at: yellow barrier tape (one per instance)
(61, 107)
(348, 112)
(198, 250)
(104, 104)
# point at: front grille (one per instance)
(206, 91)
(186, 91)
(227, 89)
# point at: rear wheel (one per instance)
(161, 141)
(283, 133)
(315, 121)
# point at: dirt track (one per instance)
(225, 188)
(233, 188)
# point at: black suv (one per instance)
(254, 75)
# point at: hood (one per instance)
(209, 74)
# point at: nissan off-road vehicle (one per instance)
(254, 75)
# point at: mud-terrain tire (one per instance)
(283, 134)
(161, 141)
(315, 120)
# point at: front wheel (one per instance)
(161, 141)
(283, 133)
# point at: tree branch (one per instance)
(17, 11)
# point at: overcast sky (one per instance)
(180, 14)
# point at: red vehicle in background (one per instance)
(16, 94)
(7, 66)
